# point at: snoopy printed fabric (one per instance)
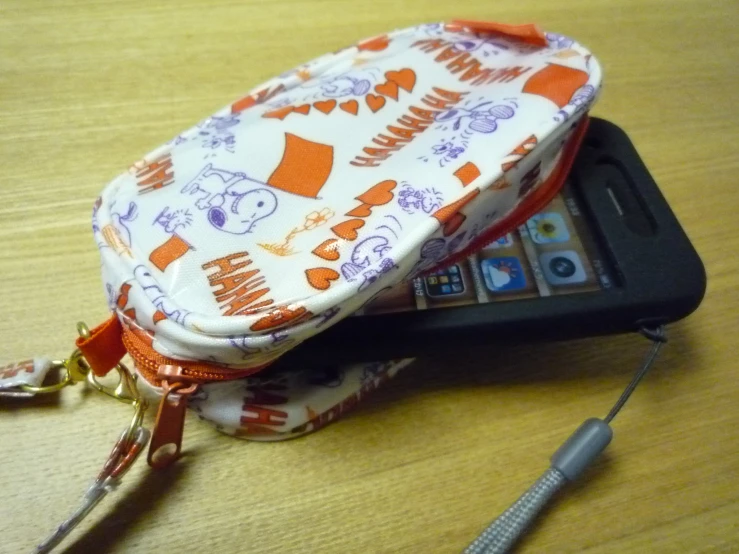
(294, 206)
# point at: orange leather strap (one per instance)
(103, 349)
(527, 33)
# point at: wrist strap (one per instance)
(26, 379)
(124, 454)
(577, 453)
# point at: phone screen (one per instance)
(555, 252)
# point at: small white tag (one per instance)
(28, 372)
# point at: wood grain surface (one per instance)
(86, 87)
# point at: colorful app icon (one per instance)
(503, 274)
(505, 241)
(562, 268)
(548, 227)
(446, 284)
(454, 269)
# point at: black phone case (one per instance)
(660, 277)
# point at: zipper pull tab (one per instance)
(166, 440)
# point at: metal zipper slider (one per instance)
(166, 440)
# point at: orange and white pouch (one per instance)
(298, 204)
(295, 206)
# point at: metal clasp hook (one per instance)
(77, 369)
(124, 391)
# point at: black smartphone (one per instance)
(607, 255)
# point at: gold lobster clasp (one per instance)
(77, 369)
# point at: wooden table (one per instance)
(88, 86)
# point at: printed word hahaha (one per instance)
(237, 290)
(409, 125)
(469, 67)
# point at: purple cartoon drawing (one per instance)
(216, 134)
(371, 275)
(350, 83)
(120, 222)
(179, 139)
(222, 124)
(426, 200)
(240, 343)
(559, 41)
(367, 252)
(327, 316)
(431, 254)
(433, 249)
(371, 252)
(172, 220)
(345, 85)
(233, 205)
(579, 101)
(279, 337)
(157, 296)
(216, 141)
(448, 150)
(281, 342)
(486, 46)
(279, 103)
(455, 243)
(432, 29)
(391, 220)
(476, 118)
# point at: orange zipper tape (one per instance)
(148, 361)
(178, 379)
(105, 347)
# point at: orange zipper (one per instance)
(166, 439)
(178, 380)
(539, 199)
(148, 361)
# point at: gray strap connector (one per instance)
(582, 448)
(567, 464)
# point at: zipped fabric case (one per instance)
(296, 205)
